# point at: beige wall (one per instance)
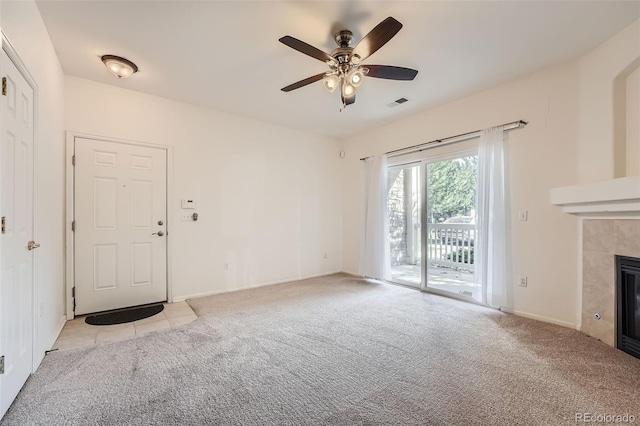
(598, 71)
(22, 24)
(632, 153)
(270, 198)
(542, 156)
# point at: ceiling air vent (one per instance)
(397, 102)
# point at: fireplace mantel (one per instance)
(613, 198)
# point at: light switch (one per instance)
(188, 203)
(523, 215)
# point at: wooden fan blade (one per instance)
(390, 72)
(303, 83)
(305, 48)
(377, 37)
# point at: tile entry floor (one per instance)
(77, 333)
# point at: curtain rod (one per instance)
(451, 139)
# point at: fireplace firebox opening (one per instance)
(628, 304)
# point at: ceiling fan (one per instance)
(345, 68)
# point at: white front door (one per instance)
(16, 210)
(120, 225)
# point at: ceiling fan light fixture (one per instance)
(331, 83)
(345, 62)
(355, 77)
(119, 67)
(347, 89)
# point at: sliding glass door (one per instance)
(432, 224)
(405, 211)
(451, 224)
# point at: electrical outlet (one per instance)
(226, 266)
(523, 215)
(325, 255)
(522, 282)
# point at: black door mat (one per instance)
(124, 315)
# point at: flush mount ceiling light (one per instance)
(345, 69)
(120, 67)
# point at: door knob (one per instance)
(32, 245)
(159, 233)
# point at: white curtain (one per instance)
(491, 247)
(375, 260)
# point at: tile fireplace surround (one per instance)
(611, 226)
(602, 239)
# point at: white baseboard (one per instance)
(49, 345)
(61, 324)
(248, 287)
(540, 318)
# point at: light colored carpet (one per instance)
(335, 350)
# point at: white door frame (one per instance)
(70, 212)
(13, 55)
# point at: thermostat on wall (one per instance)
(188, 204)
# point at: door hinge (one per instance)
(3, 225)
(73, 160)
(2, 364)
(73, 226)
(4, 86)
(73, 296)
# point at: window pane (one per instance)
(451, 224)
(404, 224)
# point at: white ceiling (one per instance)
(226, 55)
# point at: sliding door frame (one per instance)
(424, 264)
(424, 228)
